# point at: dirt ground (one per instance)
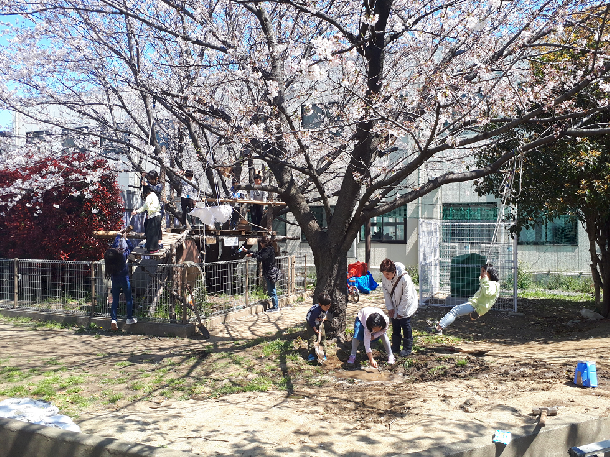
(481, 376)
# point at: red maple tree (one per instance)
(58, 221)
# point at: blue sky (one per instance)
(6, 117)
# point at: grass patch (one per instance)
(276, 347)
(543, 293)
(461, 362)
(438, 369)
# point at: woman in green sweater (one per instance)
(479, 304)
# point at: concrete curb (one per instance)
(21, 439)
(542, 442)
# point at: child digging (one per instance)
(375, 326)
(315, 325)
(479, 304)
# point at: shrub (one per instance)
(525, 279)
(57, 220)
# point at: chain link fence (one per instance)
(161, 292)
(450, 257)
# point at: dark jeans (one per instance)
(402, 332)
(312, 338)
(118, 283)
(272, 293)
(256, 211)
(152, 228)
(187, 205)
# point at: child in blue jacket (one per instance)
(115, 260)
(315, 325)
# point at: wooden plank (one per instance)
(236, 200)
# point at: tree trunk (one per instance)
(590, 224)
(331, 273)
(603, 237)
(605, 303)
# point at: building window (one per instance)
(389, 228)
(320, 215)
(560, 231)
(470, 212)
(279, 227)
(36, 136)
(325, 116)
(461, 230)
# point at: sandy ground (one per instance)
(357, 412)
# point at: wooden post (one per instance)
(93, 296)
(16, 282)
(246, 293)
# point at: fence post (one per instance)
(247, 281)
(16, 282)
(93, 292)
(293, 275)
(305, 282)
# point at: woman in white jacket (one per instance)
(401, 302)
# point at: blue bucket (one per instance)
(585, 374)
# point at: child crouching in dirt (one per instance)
(315, 325)
(479, 304)
(370, 325)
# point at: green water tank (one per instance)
(464, 275)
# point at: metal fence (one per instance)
(451, 254)
(161, 292)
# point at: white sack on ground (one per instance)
(36, 412)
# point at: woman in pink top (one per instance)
(370, 325)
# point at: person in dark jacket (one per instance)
(115, 260)
(266, 255)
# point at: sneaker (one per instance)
(324, 358)
(273, 310)
(405, 353)
(113, 325)
(131, 321)
(391, 360)
(435, 328)
(311, 358)
(351, 360)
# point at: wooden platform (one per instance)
(169, 239)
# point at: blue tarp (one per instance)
(365, 284)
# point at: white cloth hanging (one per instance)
(212, 214)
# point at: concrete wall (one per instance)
(20, 439)
(543, 442)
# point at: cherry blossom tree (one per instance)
(397, 89)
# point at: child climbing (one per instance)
(401, 301)
(371, 324)
(315, 325)
(479, 304)
(256, 210)
(115, 261)
(153, 222)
